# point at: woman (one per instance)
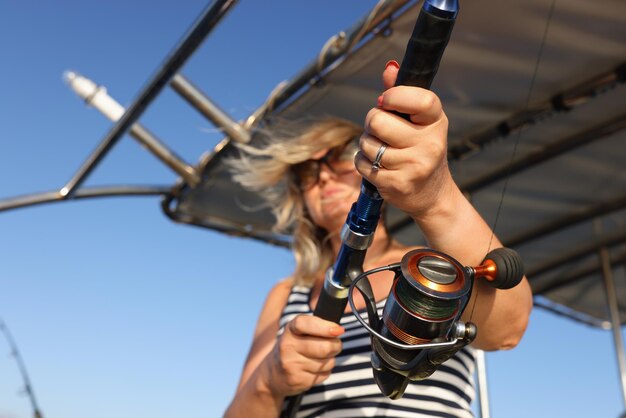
(293, 351)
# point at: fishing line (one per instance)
(420, 304)
(519, 134)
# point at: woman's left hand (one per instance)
(414, 174)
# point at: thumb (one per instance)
(390, 73)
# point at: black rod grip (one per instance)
(329, 307)
(424, 50)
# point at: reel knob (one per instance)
(503, 268)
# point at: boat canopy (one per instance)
(537, 108)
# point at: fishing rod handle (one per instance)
(427, 44)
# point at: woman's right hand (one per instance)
(303, 355)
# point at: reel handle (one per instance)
(502, 268)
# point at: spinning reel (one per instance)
(420, 326)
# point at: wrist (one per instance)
(455, 227)
(255, 398)
(444, 207)
(263, 385)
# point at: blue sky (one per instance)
(120, 312)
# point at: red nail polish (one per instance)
(337, 331)
(380, 101)
(392, 63)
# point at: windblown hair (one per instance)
(266, 169)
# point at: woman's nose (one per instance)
(326, 172)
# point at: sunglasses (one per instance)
(339, 160)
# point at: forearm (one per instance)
(453, 226)
(254, 399)
(456, 228)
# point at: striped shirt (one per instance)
(350, 391)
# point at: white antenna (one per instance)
(94, 95)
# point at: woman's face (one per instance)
(329, 195)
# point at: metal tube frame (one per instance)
(483, 390)
(611, 296)
(203, 26)
(190, 42)
(163, 153)
(288, 91)
(83, 193)
(197, 99)
(566, 312)
(96, 100)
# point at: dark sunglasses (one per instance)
(339, 160)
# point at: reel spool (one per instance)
(427, 296)
(420, 326)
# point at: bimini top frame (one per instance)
(186, 47)
(573, 124)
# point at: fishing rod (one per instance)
(28, 388)
(420, 327)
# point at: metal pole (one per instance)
(98, 97)
(83, 193)
(166, 155)
(209, 109)
(483, 390)
(173, 63)
(611, 296)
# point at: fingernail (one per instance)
(392, 63)
(380, 101)
(336, 331)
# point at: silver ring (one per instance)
(379, 155)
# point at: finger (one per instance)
(308, 325)
(390, 73)
(320, 366)
(376, 177)
(422, 106)
(397, 132)
(370, 146)
(319, 348)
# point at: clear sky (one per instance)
(119, 312)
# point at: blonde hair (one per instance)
(267, 169)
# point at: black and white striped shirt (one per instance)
(350, 391)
